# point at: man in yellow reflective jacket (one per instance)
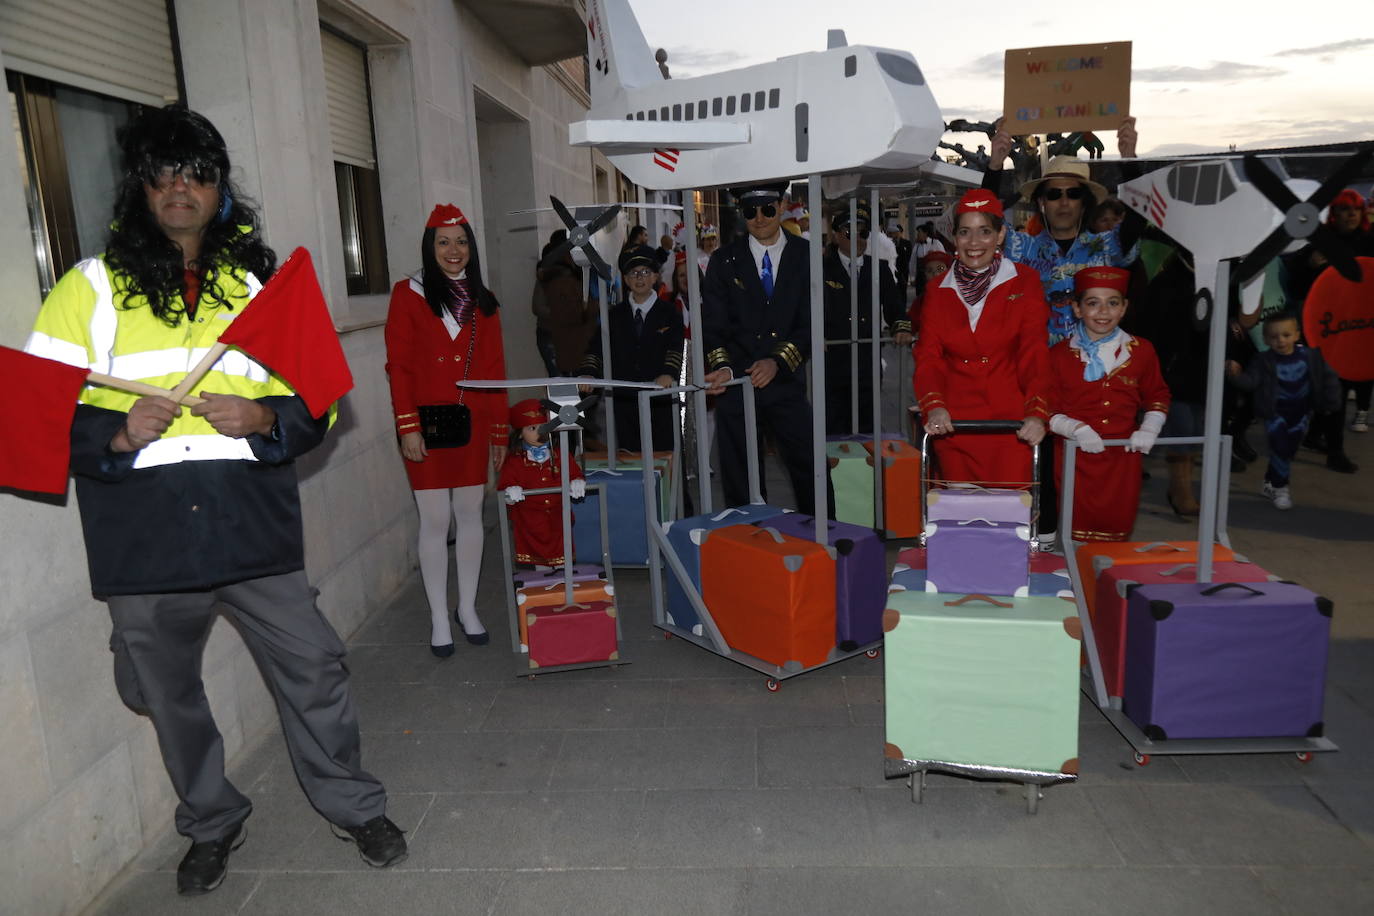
(186, 509)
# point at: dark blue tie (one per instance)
(766, 275)
(639, 324)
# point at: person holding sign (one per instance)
(981, 352)
(187, 512)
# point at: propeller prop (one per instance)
(1302, 218)
(580, 238)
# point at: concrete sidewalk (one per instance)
(678, 784)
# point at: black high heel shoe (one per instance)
(476, 639)
(443, 651)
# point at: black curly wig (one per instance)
(438, 290)
(151, 264)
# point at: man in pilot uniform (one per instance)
(847, 242)
(756, 321)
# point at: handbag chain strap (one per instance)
(472, 339)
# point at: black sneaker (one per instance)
(380, 842)
(1342, 463)
(204, 866)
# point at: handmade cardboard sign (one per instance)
(1338, 318)
(1067, 88)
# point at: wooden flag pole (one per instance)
(183, 390)
(120, 384)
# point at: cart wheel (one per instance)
(1141, 759)
(667, 635)
(530, 676)
(917, 781)
(1305, 756)
(1032, 798)
(873, 653)
(772, 685)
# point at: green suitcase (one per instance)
(851, 473)
(982, 687)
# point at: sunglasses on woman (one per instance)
(1056, 193)
(748, 211)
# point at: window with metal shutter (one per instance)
(350, 112)
(119, 48)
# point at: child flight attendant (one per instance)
(1102, 379)
(532, 464)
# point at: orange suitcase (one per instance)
(532, 596)
(772, 596)
(901, 487)
(1095, 556)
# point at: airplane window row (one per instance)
(698, 111)
(1202, 185)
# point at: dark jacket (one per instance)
(1261, 377)
(741, 325)
(658, 351)
(837, 299)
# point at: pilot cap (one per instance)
(528, 412)
(636, 255)
(840, 218)
(979, 201)
(445, 215)
(760, 194)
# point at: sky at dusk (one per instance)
(1205, 75)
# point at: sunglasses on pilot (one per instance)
(748, 210)
(1056, 193)
(162, 174)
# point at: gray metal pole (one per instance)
(695, 351)
(608, 395)
(813, 194)
(854, 316)
(875, 364)
(1211, 446)
(651, 518)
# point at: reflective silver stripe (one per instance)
(157, 363)
(175, 449)
(49, 347)
(104, 318)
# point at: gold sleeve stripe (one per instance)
(718, 358)
(406, 416)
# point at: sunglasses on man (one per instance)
(748, 210)
(1056, 193)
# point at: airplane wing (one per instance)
(553, 382)
(616, 138)
(847, 183)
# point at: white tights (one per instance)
(434, 506)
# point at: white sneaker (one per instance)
(1278, 494)
(1361, 422)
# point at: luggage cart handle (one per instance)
(981, 426)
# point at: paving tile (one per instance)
(398, 889)
(657, 758)
(624, 892)
(1352, 803)
(467, 762)
(1329, 891)
(1076, 888)
(1104, 758)
(963, 822)
(409, 664)
(414, 709)
(587, 704)
(865, 696)
(322, 850)
(1208, 825)
(820, 756)
(800, 700)
(529, 830)
(140, 893)
(890, 889)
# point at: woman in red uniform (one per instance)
(981, 354)
(443, 327)
(1103, 380)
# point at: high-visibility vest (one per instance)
(81, 325)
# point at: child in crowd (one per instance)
(533, 463)
(933, 267)
(1102, 379)
(1289, 382)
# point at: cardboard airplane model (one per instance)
(841, 110)
(1213, 209)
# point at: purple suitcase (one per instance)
(1230, 660)
(977, 556)
(525, 578)
(860, 566)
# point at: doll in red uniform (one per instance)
(1103, 379)
(532, 464)
(981, 353)
(443, 326)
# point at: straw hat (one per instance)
(1070, 167)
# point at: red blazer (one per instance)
(1111, 405)
(1000, 371)
(424, 364)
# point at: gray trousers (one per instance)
(158, 641)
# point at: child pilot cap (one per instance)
(1113, 278)
(528, 412)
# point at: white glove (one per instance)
(514, 495)
(1143, 439)
(1088, 439)
(578, 488)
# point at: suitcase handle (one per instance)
(1177, 569)
(1146, 548)
(1216, 588)
(988, 598)
(985, 521)
(777, 535)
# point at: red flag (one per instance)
(36, 412)
(288, 329)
